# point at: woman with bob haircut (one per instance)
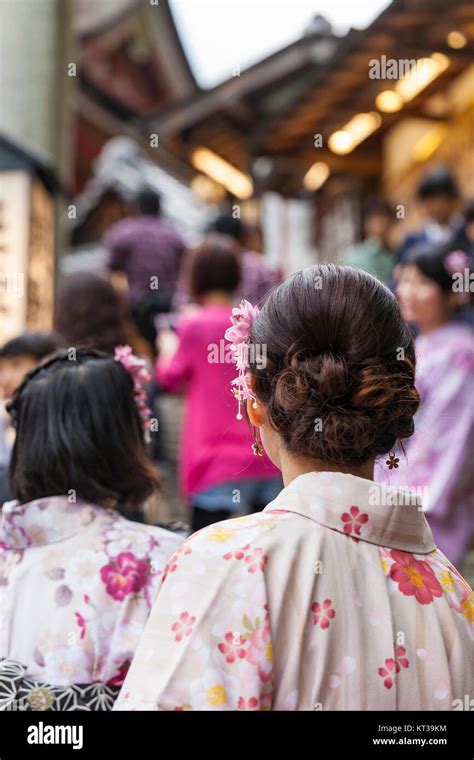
(335, 596)
(77, 579)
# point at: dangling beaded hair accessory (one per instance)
(242, 320)
(137, 371)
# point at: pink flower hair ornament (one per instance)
(242, 320)
(456, 261)
(136, 368)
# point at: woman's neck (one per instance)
(216, 298)
(292, 467)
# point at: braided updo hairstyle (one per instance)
(338, 380)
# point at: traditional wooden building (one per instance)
(342, 117)
(131, 64)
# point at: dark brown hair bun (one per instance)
(340, 371)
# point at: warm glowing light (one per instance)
(316, 176)
(456, 40)
(354, 132)
(421, 75)
(389, 101)
(427, 144)
(341, 142)
(235, 181)
(206, 189)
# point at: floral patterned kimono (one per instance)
(76, 586)
(333, 598)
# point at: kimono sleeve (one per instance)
(207, 644)
(448, 436)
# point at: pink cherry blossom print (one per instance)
(393, 667)
(233, 648)
(184, 626)
(414, 577)
(255, 559)
(353, 521)
(247, 704)
(125, 574)
(323, 614)
(170, 567)
(388, 672)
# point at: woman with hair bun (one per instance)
(335, 596)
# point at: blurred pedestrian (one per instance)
(78, 579)
(439, 456)
(219, 473)
(91, 312)
(464, 236)
(301, 607)
(439, 197)
(17, 357)
(148, 252)
(375, 253)
(257, 278)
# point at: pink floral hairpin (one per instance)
(456, 261)
(242, 320)
(137, 370)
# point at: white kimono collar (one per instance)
(359, 508)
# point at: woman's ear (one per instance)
(255, 412)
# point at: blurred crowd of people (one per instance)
(172, 306)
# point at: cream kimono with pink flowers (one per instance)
(333, 598)
(77, 583)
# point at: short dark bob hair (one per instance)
(431, 261)
(78, 430)
(438, 181)
(34, 344)
(214, 265)
(90, 312)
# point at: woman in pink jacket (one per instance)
(220, 472)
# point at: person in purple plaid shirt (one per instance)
(145, 247)
(149, 252)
